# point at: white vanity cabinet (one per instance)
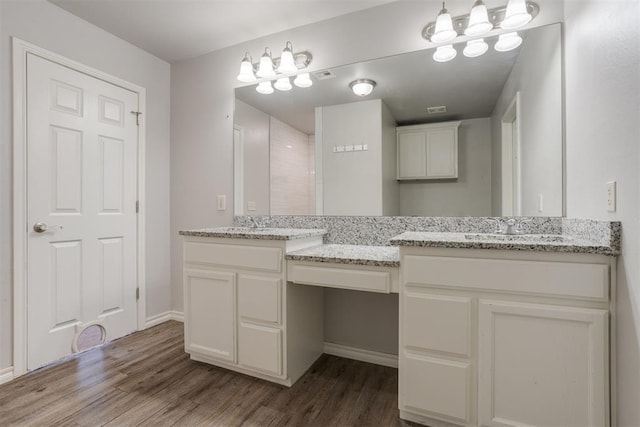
(240, 313)
(504, 338)
(428, 151)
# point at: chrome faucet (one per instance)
(255, 223)
(509, 226)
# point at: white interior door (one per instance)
(82, 183)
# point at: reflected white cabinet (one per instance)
(240, 312)
(503, 338)
(428, 151)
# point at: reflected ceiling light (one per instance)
(287, 63)
(444, 31)
(362, 87)
(475, 48)
(246, 70)
(303, 80)
(478, 20)
(516, 15)
(264, 88)
(265, 69)
(444, 53)
(507, 42)
(283, 84)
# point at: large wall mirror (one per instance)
(288, 158)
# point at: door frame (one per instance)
(510, 205)
(20, 50)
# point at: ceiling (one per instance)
(180, 29)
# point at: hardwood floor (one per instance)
(148, 379)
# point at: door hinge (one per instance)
(137, 294)
(137, 206)
(137, 114)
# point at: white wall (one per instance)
(537, 75)
(390, 185)
(470, 194)
(202, 97)
(352, 181)
(49, 27)
(602, 68)
(255, 130)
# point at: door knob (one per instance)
(41, 227)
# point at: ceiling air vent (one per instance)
(324, 75)
(437, 110)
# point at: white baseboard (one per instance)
(164, 317)
(6, 375)
(384, 359)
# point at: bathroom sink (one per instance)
(526, 238)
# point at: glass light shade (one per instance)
(246, 70)
(478, 20)
(283, 84)
(516, 15)
(264, 88)
(475, 48)
(507, 42)
(444, 53)
(287, 63)
(362, 87)
(303, 80)
(265, 69)
(444, 31)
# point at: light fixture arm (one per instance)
(496, 16)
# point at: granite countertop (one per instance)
(525, 242)
(256, 233)
(378, 256)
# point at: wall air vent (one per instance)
(437, 110)
(324, 75)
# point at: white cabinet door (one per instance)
(411, 155)
(442, 153)
(428, 151)
(210, 317)
(542, 365)
(260, 348)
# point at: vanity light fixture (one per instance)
(265, 69)
(264, 88)
(507, 42)
(445, 53)
(475, 48)
(478, 20)
(283, 84)
(516, 15)
(246, 70)
(443, 31)
(362, 87)
(287, 63)
(303, 80)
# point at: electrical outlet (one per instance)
(251, 206)
(540, 203)
(222, 202)
(611, 196)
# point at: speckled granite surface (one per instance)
(378, 256)
(255, 233)
(536, 243)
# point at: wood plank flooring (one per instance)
(147, 379)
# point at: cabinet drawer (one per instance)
(252, 257)
(260, 348)
(435, 387)
(259, 298)
(437, 323)
(342, 278)
(560, 279)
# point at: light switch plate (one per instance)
(611, 196)
(222, 202)
(251, 206)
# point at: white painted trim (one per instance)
(20, 49)
(6, 375)
(376, 357)
(164, 317)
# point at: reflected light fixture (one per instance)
(362, 87)
(444, 31)
(264, 88)
(478, 20)
(283, 84)
(507, 42)
(475, 48)
(516, 15)
(246, 70)
(265, 69)
(287, 63)
(303, 80)
(445, 53)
